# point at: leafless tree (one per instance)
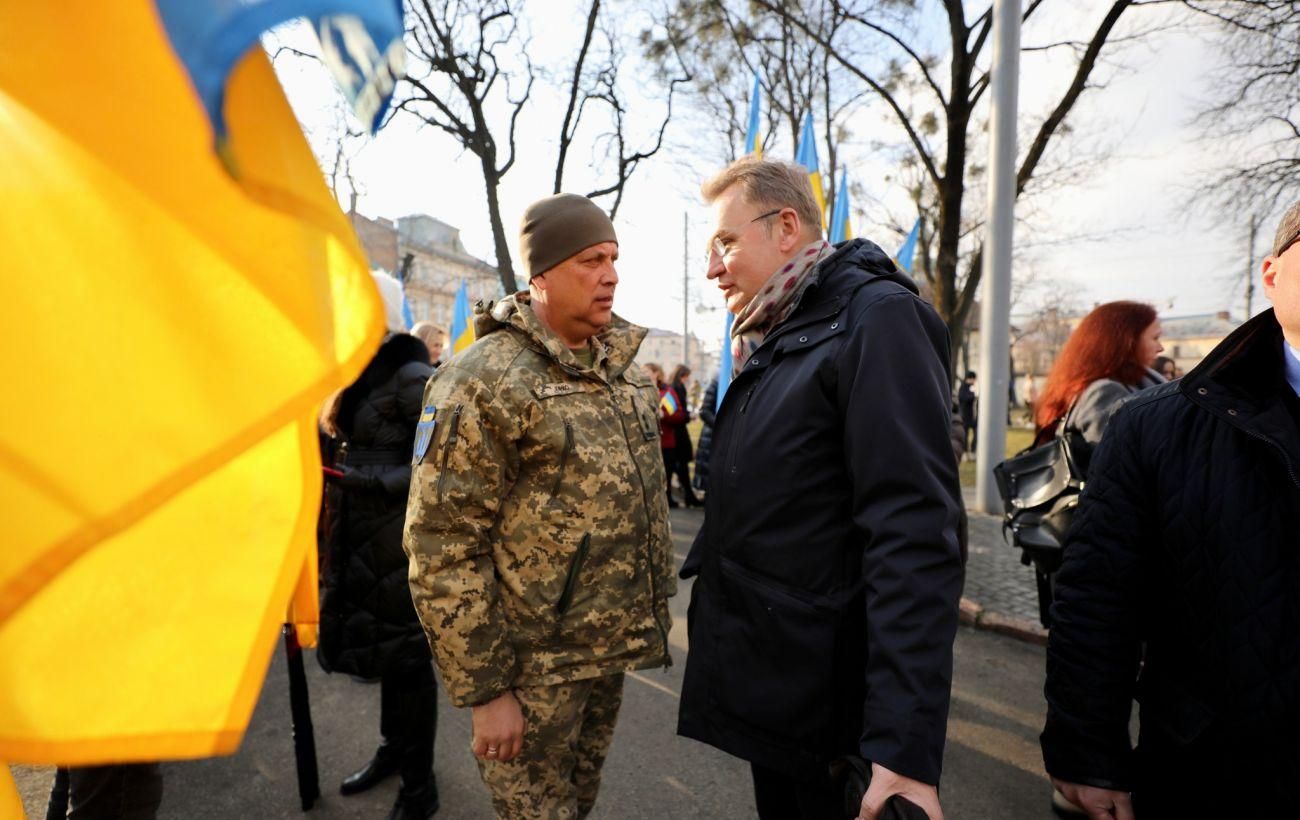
(1256, 106)
(455, 78)
(725, 44)
(877, 43)
(596, 92)
(470, 75)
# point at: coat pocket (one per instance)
(571, 579)
(775, 657)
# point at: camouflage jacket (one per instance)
(537, 525)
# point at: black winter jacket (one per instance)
(1187, 541)
(368, 623)
(823, 617)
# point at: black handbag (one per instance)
(1040, 489)
(853, 775)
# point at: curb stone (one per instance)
(972, 614)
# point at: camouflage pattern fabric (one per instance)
(537, 526)
(557, 774)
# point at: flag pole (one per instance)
(995, 312)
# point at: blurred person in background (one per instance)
(967, 410)
(1165, 367)
(683, 452)
(708, 413)
(434, 338)
(1107, 359)
(369, 628)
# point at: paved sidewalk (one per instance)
(1000, 592)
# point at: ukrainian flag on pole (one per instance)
(907, 252)
(753, 145)
(807, 157)
(841, 229)
(754, 139)
(462, 321)
(162, 482)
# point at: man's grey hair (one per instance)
(1287, 228)
(769, 184)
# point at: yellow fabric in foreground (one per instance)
(168, 333)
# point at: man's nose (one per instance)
(715, 266)
(611, 275)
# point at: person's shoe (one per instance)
(673, 504)
(692, 501)
(416, 804)
(382, 766)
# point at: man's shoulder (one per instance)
(1160, 408)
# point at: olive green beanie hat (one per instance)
(557, 227)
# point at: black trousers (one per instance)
(408, 718)
(778, 796)
(676, 465)
(128, 791)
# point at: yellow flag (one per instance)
(168, 332)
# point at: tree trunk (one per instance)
(505, 269)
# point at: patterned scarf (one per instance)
(775, 302)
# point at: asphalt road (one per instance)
(992, 767)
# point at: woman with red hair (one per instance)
(1106, 360)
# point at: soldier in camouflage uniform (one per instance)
(537, 527)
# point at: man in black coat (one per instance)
(1180, 587)
(825, 608)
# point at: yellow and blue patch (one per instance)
(424, 433)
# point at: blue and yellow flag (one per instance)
(907, 252)
(668, 404)
(162, 482)
(462, 321)
(807, 157)
(841, 227)
(754, 139)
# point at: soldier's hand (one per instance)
(885, 784)
(1099, 803)
(498, 728)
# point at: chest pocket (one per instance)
(563, 406)
(645, 402)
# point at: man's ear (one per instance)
(791, 230)
(1269, 271)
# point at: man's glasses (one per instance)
(719, 246)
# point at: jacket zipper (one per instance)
(452, 435)
(564, 457)
(645, 496)
(571, 580)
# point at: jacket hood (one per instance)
(867, 256)
(619, 340)
(397, 351)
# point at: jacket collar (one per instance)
(616, 343)
(1241, 382)
(853, 264)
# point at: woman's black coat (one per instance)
(368, 623)
(1184, 563)
(823, 617)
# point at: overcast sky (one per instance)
(1126, 231)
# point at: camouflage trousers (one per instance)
(568, 730)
